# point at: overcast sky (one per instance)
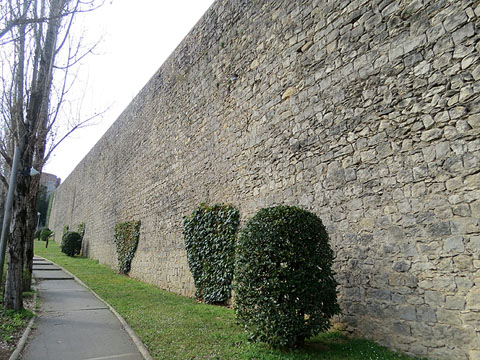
(137, 37)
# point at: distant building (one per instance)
(50, 182)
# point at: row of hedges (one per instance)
(280, 267)
(285, 291)
(125, 238)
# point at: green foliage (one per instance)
(192, 330)
(285, 291)
(210, 233)
(71, 243)
(66, 228)
(11, 322)
(45, 234)
(126, 240)
(38, 232)
(81, 229)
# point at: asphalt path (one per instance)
(72, 323)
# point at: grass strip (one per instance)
(12, 323)
(176, 327)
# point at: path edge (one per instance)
(23, 340)
(133, 335)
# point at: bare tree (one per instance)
(36, 76)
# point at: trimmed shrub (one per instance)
(45, 234)
(71, 243)
(38, 232)
(126, 239)
(285, 291)
(210, 233)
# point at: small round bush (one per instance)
(38, 232)
(45, 234)
(71, 243)
(285, 291)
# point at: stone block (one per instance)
(432, 134)
(464, 32)
(454, 245)
(475, 243)
(455, 302)
(462, 210)
(439, 229)
(451, 317)
(402, 328)
(426, 314)
(472, 182)
(474, 355)
(434, 298)
(455, 20)
(473, 299)
(445, 284)
(465, 225)
(402, 266)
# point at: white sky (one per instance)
(138, 36)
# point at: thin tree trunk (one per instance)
(30, 233)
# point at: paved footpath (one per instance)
(72, 323)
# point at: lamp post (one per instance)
(38, 220)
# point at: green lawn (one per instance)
(175, 327)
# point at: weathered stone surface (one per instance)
(454, 245)
(473, 299)
(289, 92)
(455, 302)
(364, 113)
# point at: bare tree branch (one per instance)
(80, 125)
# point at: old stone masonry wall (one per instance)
(365, 112)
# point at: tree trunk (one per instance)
(13, 299)
(30, 233)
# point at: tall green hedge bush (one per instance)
(126, 239)
(71, 243)
(210, 233)
(285, 291)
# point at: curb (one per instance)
(23, 340)
(136, 340)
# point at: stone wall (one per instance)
(365, 112)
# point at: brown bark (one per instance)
(13, 287)
(30, 233)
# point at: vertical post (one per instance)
(8, 208)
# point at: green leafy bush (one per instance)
(71, 243)
(45, 234)
(81, 229)
(285, 291)
(126, 239)
(210, 233)
(38, 232)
